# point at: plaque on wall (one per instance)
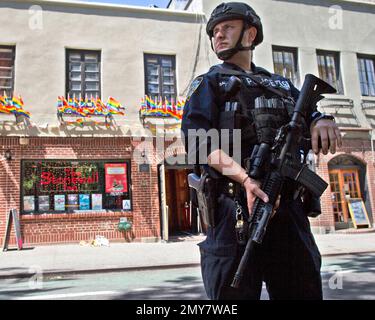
(144, 167)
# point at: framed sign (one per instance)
(116, 177)
(358, 212)
(144, 167)
(13, 216)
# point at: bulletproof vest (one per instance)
(251, 107)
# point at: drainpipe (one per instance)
(372, 146)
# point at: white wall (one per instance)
(122, 34)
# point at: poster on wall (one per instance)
(126, 205)
(84, 202)
(43, 203)
(29, 203)
(96, 200)
(72, 202)
(116, 178)
(59, 202)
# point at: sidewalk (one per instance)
(73, 258)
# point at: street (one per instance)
(344, 277)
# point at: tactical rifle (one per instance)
(281, 165)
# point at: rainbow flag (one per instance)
(17, 102)
(89, 107)
(114, 107)
(114, 103)
(160, 108)
(3, 102)
(79, 122)
(13, 105)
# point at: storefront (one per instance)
(75, 175)
(72, 189)
(65, 186)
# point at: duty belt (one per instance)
(228, 187)
(231, 188)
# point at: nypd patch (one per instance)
(194, 86)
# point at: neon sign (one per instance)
(68, 179)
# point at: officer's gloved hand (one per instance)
(329, 134)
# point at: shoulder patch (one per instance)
(194, 86)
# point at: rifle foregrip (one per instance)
(272, 186)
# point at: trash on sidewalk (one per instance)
(99, 241)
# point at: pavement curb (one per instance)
(347, 253)
(93, 271)
(57, 272)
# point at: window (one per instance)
(366, 75)
(160, 76)
(57, 186)
(285, 62)
(7, 55)
(83, 74)
(329, 69)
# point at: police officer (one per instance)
(288, 260)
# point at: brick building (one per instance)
(58, 171)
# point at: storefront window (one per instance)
(57, 186)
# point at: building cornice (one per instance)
(109, 6)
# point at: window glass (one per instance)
(83, 78)
(71, 186)
(285, 63)
(160, 76)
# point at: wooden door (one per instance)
(344, 186)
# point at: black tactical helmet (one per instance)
(232, 11)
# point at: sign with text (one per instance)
(69, 178)
(358, 212)
(116, 180)
(13, 216)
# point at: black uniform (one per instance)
(288, 260)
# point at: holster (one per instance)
(207, 195)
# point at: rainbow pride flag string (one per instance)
(14, 105)
(161, 108)
(89, 107)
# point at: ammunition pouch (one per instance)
(268, 121)
(231, 120)
(207, 196)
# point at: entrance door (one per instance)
(178, 201)
(344, 186)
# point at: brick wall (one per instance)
(145, 214)
(53, 228)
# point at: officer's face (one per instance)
(226, 34)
